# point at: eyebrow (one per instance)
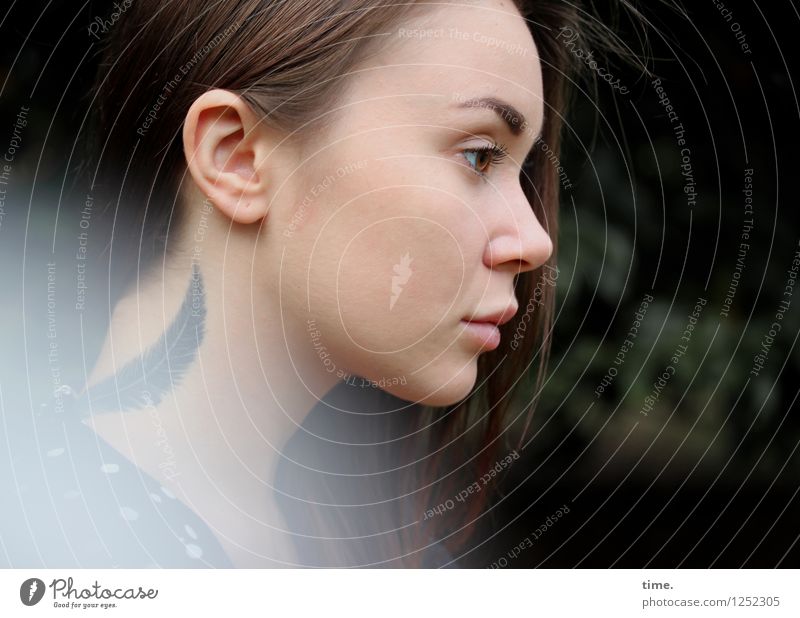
(511, 115)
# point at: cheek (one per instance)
(396, 263)
(391, 268)
(384, 271)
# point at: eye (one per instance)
(481, 159)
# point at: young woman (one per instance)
(330, 223)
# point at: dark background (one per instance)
(710, 476)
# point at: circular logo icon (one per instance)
(31, 591)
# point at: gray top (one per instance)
(71, 500)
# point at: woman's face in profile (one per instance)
(404, 222)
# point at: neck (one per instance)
(215, 439)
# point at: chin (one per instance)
(438, 387)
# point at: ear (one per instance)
(225, 147)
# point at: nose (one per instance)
(517, 242)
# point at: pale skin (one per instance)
(281, 245)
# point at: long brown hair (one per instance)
(287, 60)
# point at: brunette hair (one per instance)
(288, 60)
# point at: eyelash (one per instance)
(498, 152)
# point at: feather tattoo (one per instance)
(147, 379)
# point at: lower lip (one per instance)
(486, 333)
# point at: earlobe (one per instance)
(221, 145)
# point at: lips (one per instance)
(485, 327)
(486, 334)
(496, 318)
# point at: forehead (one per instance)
(455, 52)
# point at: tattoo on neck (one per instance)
(145, 381)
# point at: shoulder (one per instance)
(71, 500)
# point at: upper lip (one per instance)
(497, 317)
